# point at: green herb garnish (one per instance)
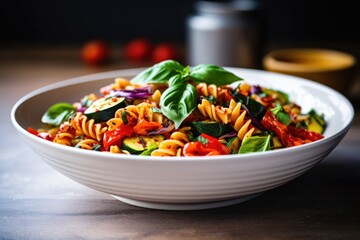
(255, 144)
(58, 113)
(179, 100)
(281, 115)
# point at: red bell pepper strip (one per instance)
(143, 126)
(115, 137)
(32, 131)
(271, 123)
(305, 134)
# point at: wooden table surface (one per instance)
(37, 202)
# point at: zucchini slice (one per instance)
(234, 144)
(316, 123)
(212, 128)
(136, 145)
(104, 109)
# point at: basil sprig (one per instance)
(255, 144)
(58, 113)
(159, 73)
(179, 100)
(212, 74)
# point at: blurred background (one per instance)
(74, 22)
(45, 39)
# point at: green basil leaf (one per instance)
(212, 74)
(159, 73)
(255, 144)
(176, 79)
(281, 115)
(178, 101)
(58, 113)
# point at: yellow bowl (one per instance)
(332, 68)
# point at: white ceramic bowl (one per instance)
(183, 183)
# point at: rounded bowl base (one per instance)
(185, 206)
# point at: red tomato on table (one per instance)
(138, 49)
(164, 51)
(95, 52)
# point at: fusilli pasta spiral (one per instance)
(207, 90)
(174, 145)
(155, 97)
(116, 149)
(88, 144)
(140, 111)
(87, 127)
(233, 115)
(65, 134)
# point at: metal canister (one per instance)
(226, 34)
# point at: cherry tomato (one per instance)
(164, 51)
(213, 143)
(95, 52)
(198, 149)
(138, 49)
(210, 147)
(43, 135)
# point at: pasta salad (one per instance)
(172, 110)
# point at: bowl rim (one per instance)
(132, 71)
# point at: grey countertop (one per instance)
(37, 202)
